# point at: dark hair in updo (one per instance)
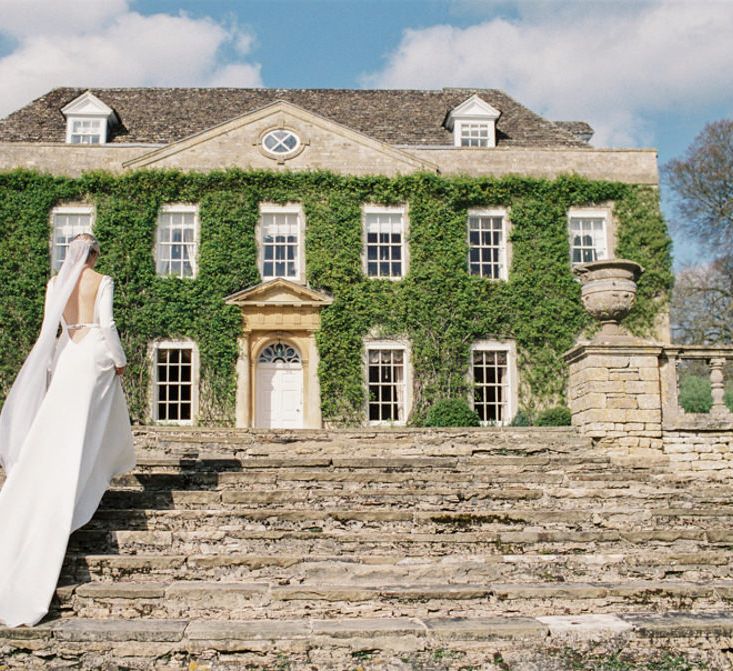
(94, 244)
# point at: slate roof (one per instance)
(580, 129)
(395, 116)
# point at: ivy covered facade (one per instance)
(282, 269)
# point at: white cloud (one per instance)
(609, 65)
(102, 43)
(23, 18)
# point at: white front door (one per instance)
(279, 389)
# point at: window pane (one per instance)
(66, 225)
(474, 135)
(490, 379)
(173, 383)
(486, 245)
(385, 385)
(384, 242)
(280, 241)
(176, 247)
(588, 239)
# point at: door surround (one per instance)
(278, 309)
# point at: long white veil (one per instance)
(29, 388)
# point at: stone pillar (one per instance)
(243, 401)
(614, 392)
(313, 401)
(717, 387)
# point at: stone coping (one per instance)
(218, 633)
(503, 591)
(365, 430)
(696, 422)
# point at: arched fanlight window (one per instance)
(279, 352)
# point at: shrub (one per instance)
(522, 418)
(695, 394)
(557, 416)
(451, 412)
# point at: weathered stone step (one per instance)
(427, 497)
(316, 540)
(339, 643)
(523, 439)
(156, 561)
(232, 476)
(573, 465)
(233, 518)
(238, 600)
(176, 478)
(236, 511)
(404, 497)
(385, 519)
(394, 489)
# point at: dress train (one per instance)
(79, 440)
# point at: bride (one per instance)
(64, 433)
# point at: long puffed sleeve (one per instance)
(107, 322)
(49, 286)
(46, 306)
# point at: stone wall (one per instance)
(623, 394)
(703, 453)
(342, 155)
(70, 160)
(632, 166)
(614, 393)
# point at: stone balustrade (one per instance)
(715, 358)
(624, 393)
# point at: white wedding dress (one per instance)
(78, 439)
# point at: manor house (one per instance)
(281, 374)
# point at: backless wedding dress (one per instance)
(61, 442)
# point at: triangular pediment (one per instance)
(472, 108)
(278, 292)
(323, 145)
(87, 104)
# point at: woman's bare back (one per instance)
(80, 306)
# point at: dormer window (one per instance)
(473, 123)
(87, 131)
(474, 134)
(88, 120)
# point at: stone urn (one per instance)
(608, 293)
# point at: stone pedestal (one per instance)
(614, 391)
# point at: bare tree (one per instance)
(702, 181)
(703, 184)
(702, 303)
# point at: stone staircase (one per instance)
(430, 549)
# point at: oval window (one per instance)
(281, 142)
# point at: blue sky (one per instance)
(642, 73)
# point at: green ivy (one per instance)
(438, 306)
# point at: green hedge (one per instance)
(558, 415)
(695, 393)
(451, 412)
(438, 305)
